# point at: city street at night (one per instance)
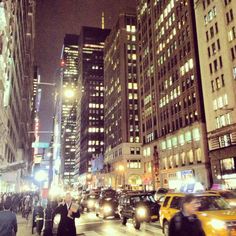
(90, 225)
(118, 117)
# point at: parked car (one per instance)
(215, 214)
(140, 207)
(107, 204)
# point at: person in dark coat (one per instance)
(67, 223)
(8, 222)
(185, 222)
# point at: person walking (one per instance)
(8, 222)
(68, 214)
(185, 222)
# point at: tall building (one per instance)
(90, 140)
(172, 116)
(68, 103)
(17, 50)
(121, 111)
(216, 28)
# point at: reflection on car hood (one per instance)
(220, 214)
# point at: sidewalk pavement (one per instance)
(24, 226)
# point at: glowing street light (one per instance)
(41, 175)
(69, 93)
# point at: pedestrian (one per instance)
(185, 222)
(8, 222)
(68, 214)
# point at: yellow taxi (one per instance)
(217, 217)
(228, 195)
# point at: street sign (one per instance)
(40, 145)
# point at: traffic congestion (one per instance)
(216, 208)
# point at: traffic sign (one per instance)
(40, 145)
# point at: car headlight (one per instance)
(232, 204)
(107, 209)
(217, 224)
(141, 212)
(90, 203)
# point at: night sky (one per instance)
(55, 18)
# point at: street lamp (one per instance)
(69, 93)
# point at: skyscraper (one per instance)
(17, 60)
(121, 112)
(216, 28)
(90, 112)
(172, 116)
(68, 98)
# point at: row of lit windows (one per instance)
(220, 102)
(95, 130)
(169, 97)
(131, 28)
(186, 67)
(210, 15)
(134, 139)
(133, 96)
(134, 164)
(182, 159)
(166, 11)
(96, 105)
(95, 142)
(180, 140)
(223, 120)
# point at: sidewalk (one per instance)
(24, 226)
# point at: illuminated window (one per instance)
(188, 136)
(196, 134)
(163, 145)
(169, 146)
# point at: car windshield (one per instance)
(143, 198)
(228, 195)
(212, 203)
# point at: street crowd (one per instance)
(26, 203)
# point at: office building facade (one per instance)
(90, 117)
(216, 29)
(17, 60)
(121, 110)
(68, 93)
(172, 116)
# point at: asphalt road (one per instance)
(90, 225)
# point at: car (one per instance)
(140, 207)
(89, 201)
(215, 213)
(107, 204)
(228, 195)
(160, 192)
